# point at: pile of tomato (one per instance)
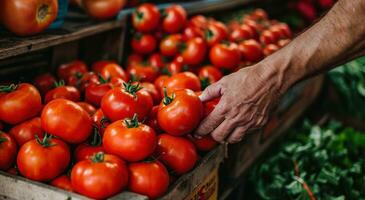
(98, 130)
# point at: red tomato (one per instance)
(192, 32)
(216, 33)
(62, 182)
(8, 151)
(194, 51)
(31, 17)
(148, 178)
(62, 92)
(199, 21)
(123, 102)
(87, 107)
(146, 18)
(180, 113)
(19, 103)
(99, 177)
(67, 120)
(177, 153)
(109, 70)
(240, 34)
(184, 80)
(225, 56)
(143, 43)
(95, 92)
(152, 120)
(134, 59)
(174, 19)
(70, 69)
(251, 50)
(100, 121)
(43, 160)
(103, 9)
(143, 72)
(276, 31)
(159, 82)
(259, 14)
(152, 90)
(270, 49)
(267, 37)
(87, 150)
(209, 74)
(81, 81)
(175, 67)
(44, 82)
(157, 60)
(170, 45)
(254, 26)
(206, 143)
(129, 139)
(285, 30)
(27, 130)
(210, 105)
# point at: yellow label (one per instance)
(207, 190)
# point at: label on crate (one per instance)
(208, 189)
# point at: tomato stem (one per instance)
(98, 157)
(205, 82)
(208, 34)
(102, 79)
(139, 15)
(46, 142)
(3, 139)
(181, 46)
(167, 99)
(132, 123)
(163, 13)
(8, 88)
(103, 121)
(132, 88)
(59, 83)
(96, 138)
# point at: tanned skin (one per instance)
(248, 95)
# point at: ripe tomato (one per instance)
(225, 56)
(8, 151)
(19, 103)
(191, 32)
(99, 177)
(267, 37)
(43, 160)
(210, 105)
(194, 51)
(44, 82)
(254, 26)
(148, 178)
(170, 45)
(259, 14)
(251, 50)
(152, 120)
(67, 120)
(157, 60)
(31, 17)
(184, 80)
(152, 90)
(63, 92)
(159, 82)
(27, 130)
(176, 66)
(88, 149)
(103, 9)
(146, 18)
(180, 113)
(215, 33)
(95, 92)
(240, 34)
(81, 81)
(100, 120)
(109, 70)
(206, 143)
(66, 70)
(209, 74)
(123, 102)
(270, 49)
(276, 31)
(285, 30)
(199, 21)
(129, 139)
(87, 107)
(143, 43)
(174, 19)
(143, 72)
(134, 59)
(62, 182)
(177, 153)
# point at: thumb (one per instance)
(211, 92)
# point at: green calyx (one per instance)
(2, 139)
(205, 82)
(181, 46)
(132, 88)
(167, 99)
(208, 34)
(104, 121)
(139, 15)
(95, 139)
(46, 142)
(102, 80)
(59, 83)
(8, 88)
(98, 157)
(132, 123)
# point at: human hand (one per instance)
(246, 99)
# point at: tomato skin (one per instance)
(81, 82)
(130, 143)
(143, 43)
(152, 120)
(142, 72)
(87, 107)
(66, 70)
(27, 130)
(169, 46)
(134, 59)
(267, 37)
(211, 73)
(152, 90)
(175, 19)
(21, 104)
(285, 30)
(216, 33)
(118, 104)
(63, 92)
(240, 34)
(251, 50)
(100, 120)
(146, 18)
(103, 9)
(28, 20)
(85, 151)
(40, 163)
(210, 105)
(176, 66)
(195, 51)
(8, 151)
(177, 153)
(159, 82)
(225, 56)
(191, 32)
(206, 143)
(148, 178)
(88, 176)
(44, 82)
(199, 21)
(62, 182)
(182, 115)
(109, 70)
(183, 80)
(270, 49)
(157, 60)
(95, 92)
(67, 120)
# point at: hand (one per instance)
(246, 99)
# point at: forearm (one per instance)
(338, 36)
